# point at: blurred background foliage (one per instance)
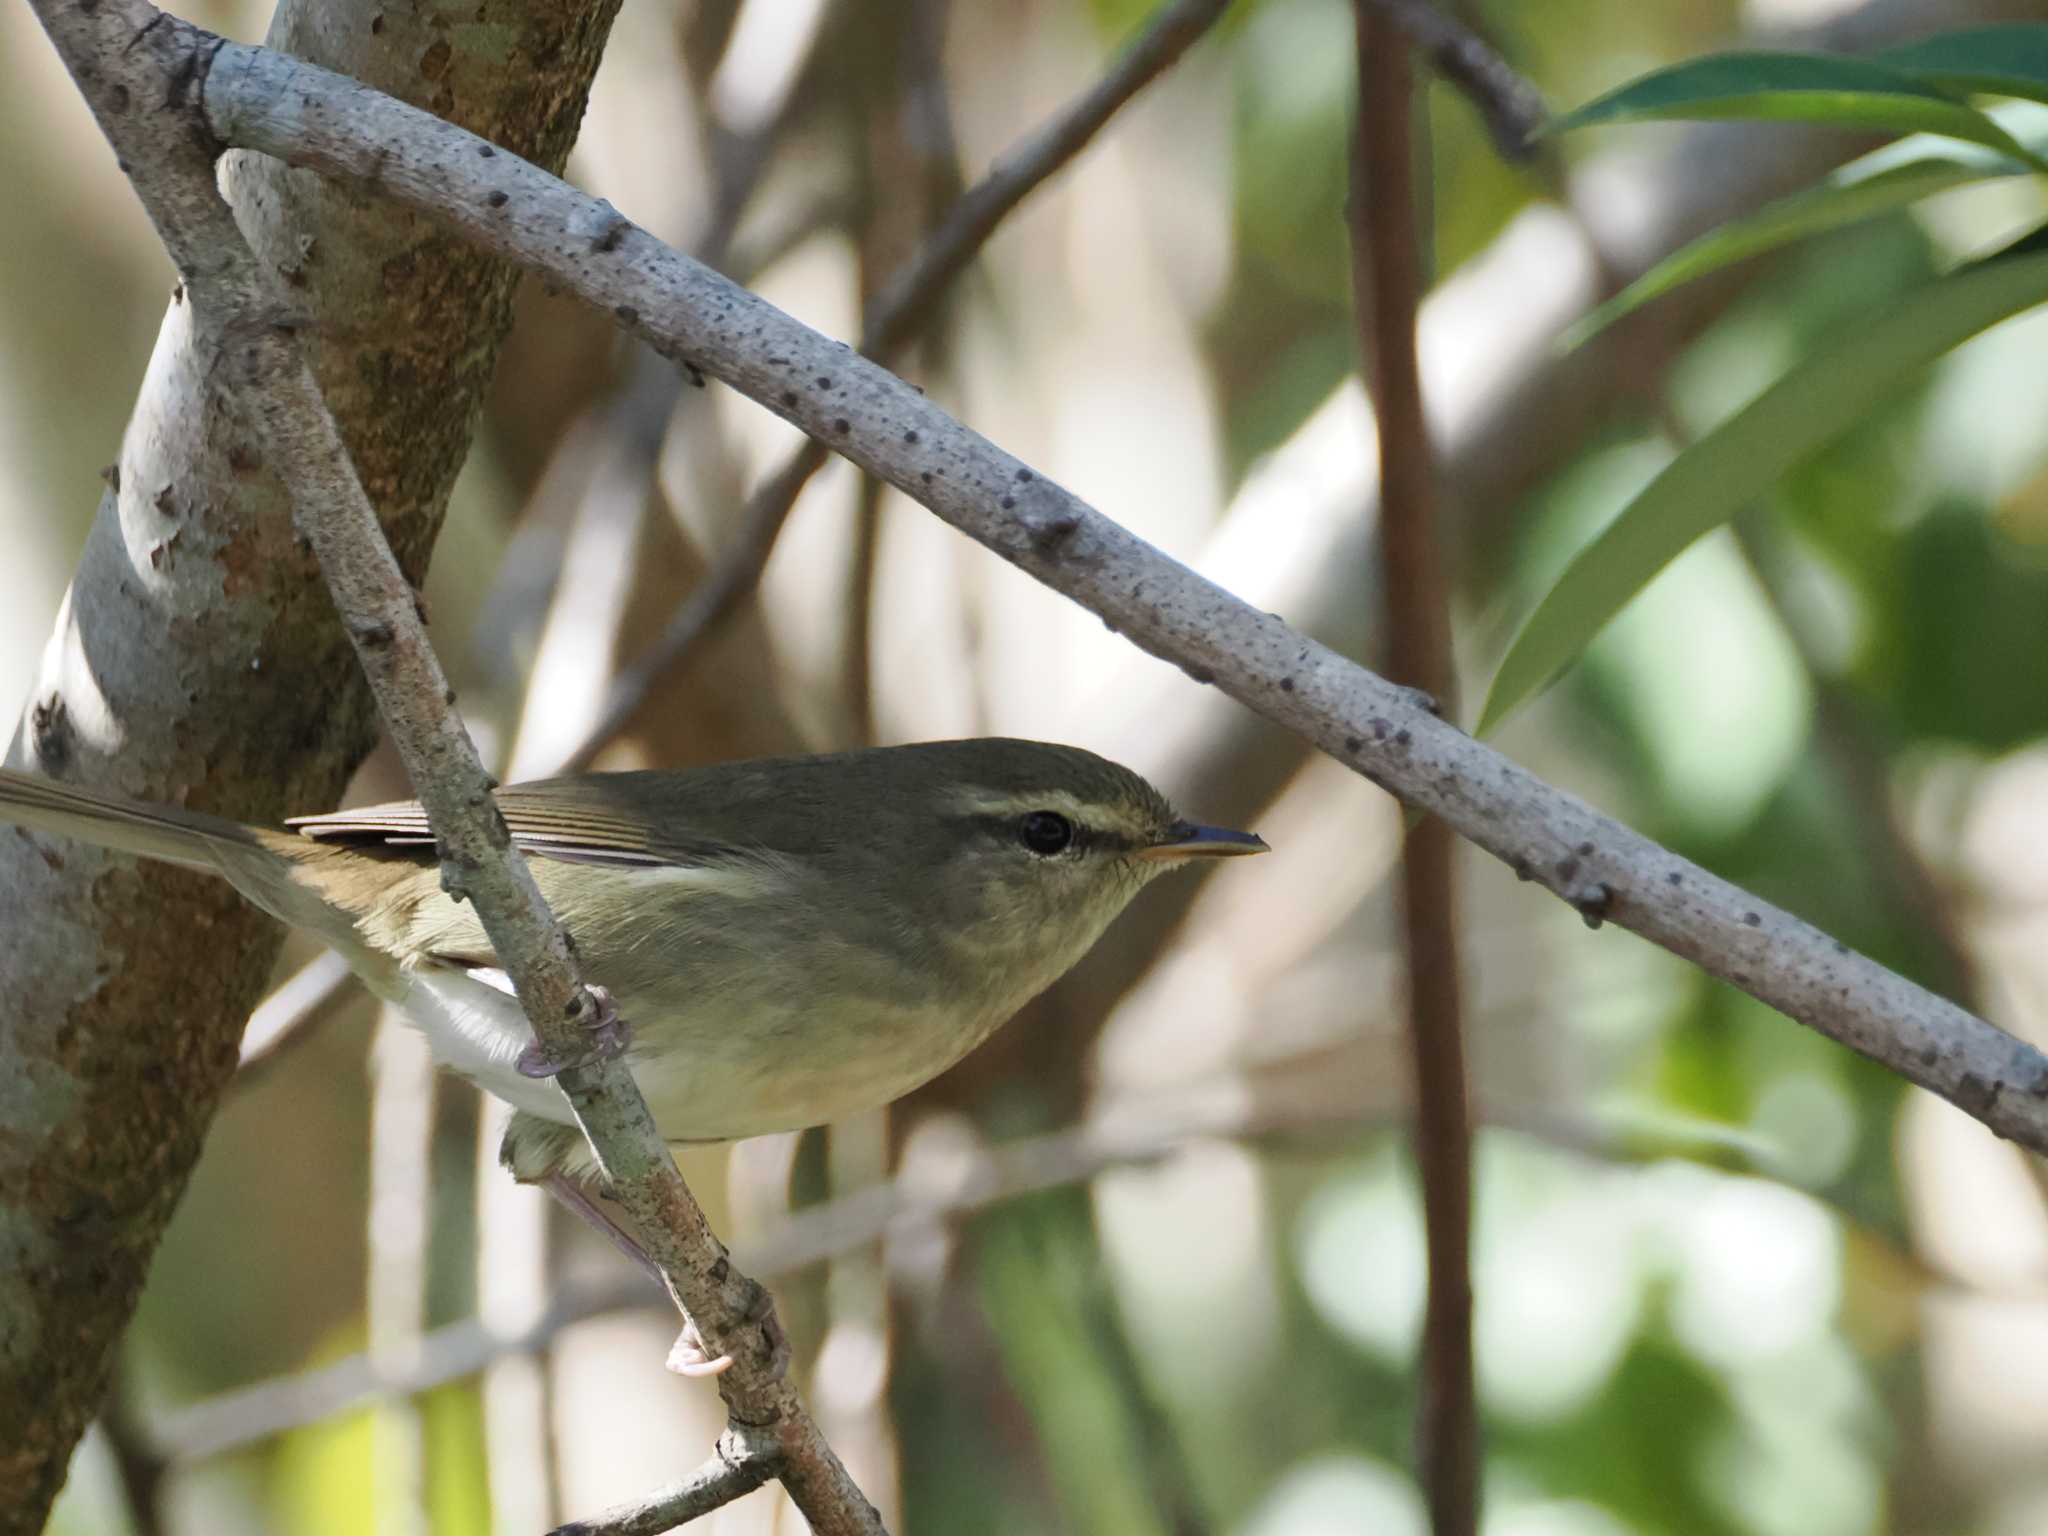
(1730, 1279)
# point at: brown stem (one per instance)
(1388, 281)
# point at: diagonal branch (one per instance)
(141, 71)
(741, 1463)
(904, 303)
(1605, 871)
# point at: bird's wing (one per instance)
(576, 821)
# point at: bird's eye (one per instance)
(1046, 832)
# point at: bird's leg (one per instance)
(688, 1357)
(609, 1036)
(584, 1204)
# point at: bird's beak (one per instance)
(1185, 840)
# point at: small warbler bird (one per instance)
(787, 941)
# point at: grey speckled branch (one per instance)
(1607, 872)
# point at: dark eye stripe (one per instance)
(1087, 839)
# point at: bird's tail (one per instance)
(148, 831)
(267, 866)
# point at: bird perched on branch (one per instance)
(778, 943)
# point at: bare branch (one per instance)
(741, 1463)
(902, 307)
(903, 304)
(1511, 107)
(1387, 284)
(248, 1415)
(709, 604)
(1605, 871)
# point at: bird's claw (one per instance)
(690, 1357)
(608, 1032)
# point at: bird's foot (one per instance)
(690, 1356)
(608, 1032)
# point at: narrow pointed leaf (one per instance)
(1797, 87)
(1857, 191)
(1814, 402)
(2009, 60)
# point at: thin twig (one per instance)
(1387, 284)
(904, 303)
(710, 602)
(739, 1465)
(1511, 107)
(243, 1416)
(262, 100)
(142, 72)
(902, 307)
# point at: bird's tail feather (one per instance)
(126, 826)
(257, 861)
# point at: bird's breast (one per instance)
(796, 1016)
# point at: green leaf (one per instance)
(1797, 87)
(1820, 397)
(2010, 60)
(1875, 184)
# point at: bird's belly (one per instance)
(479, 1031)
(758, 1064)
(773, 1069)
